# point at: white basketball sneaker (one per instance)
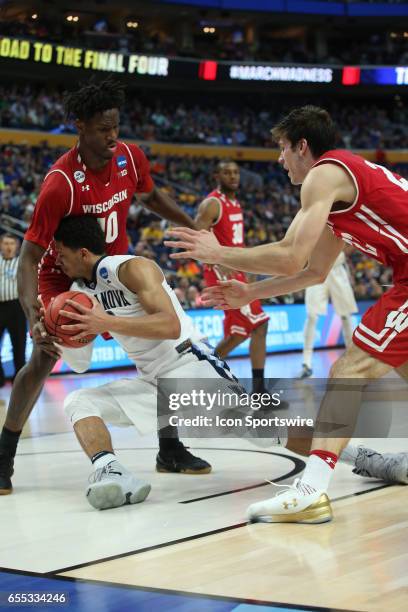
(298, 503)
(113, 486)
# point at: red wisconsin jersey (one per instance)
(229, 227)
(70, 188)
(377, 221)
(229, 231)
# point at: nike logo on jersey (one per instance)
(113, 298)
(104, 206)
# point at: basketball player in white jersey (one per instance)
(338, 289)
(151, 326)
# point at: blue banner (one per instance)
(285, 333)
(317, 7)
(385, 75)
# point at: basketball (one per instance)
(53, 320)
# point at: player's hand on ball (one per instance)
(41, 307)
(226, 295)
(86, 321)
(47, 343)
(197, 244)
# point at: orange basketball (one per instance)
(53, 319)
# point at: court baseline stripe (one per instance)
(182, 540)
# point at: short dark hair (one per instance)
(310, 122)
(9, 235)
(81, 232)
(225, 162)
(94, 97)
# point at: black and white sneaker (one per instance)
(179, 460)
(113, 486)
(6, 472)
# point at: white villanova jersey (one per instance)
(340, 261)
(116, 299)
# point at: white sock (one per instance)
(318, 473)
(103, 461)
(349, 455)
(347, 329)
(309, 334)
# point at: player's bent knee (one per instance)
(79, 405)
(262, 329)
(40, 364)
(338, 369)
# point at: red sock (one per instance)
(326, 456)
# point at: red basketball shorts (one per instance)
(383, 331)
(242, 321)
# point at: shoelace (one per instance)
(297, 486)
(107, 469)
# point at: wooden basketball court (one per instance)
(188, 547)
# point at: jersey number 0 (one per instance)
(110, 226)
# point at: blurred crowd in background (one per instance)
(269, 201)
(237, 121)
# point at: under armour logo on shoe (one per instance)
(287, 505)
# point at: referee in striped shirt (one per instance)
(12, 316)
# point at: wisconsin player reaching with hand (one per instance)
(222, 213)
(98, 177)
(344, 199)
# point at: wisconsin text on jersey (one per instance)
(104, 206)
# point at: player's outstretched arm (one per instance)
(163, 205)
(283, 258)
(233, 294)
(323, 186)
(145, 279)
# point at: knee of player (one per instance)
(40, 364)
(347, 368)
(261, 330)
(341, 369)
(76, 405)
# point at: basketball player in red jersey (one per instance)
(98, 177)
(344, 199)
(222, 213)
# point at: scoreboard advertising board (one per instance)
(162, 68)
